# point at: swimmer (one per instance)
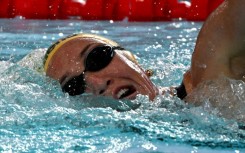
(85, 63)
(93, 64)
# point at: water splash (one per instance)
(224, 97)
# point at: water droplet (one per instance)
(61, 34)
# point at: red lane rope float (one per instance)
(132, 10)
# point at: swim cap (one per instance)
(55, 47)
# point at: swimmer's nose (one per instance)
(96, 85)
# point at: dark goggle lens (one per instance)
(99, 58)
(75, 86)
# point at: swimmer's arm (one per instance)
(236, 25)
(221, 37)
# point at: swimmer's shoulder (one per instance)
(34, 60)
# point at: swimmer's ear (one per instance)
(130, 56)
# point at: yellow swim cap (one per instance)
(55, 47)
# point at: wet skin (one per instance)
(220, 47)
(120, 76)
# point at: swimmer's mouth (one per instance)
(126, 92)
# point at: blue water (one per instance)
(35, 116)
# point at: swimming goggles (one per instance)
(99, 58)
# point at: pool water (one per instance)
(37, 117)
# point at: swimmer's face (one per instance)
(121, 78)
